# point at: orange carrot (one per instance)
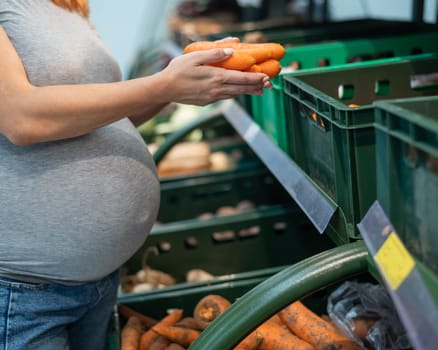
(313, 329)
(276, 319)
(175, 346)
(192, 323)
(130, 334)
(277, 51)
(253, 341)
(255, 68)
(237, 61)
(269, 336)
(260, 52)
(160, 343)
(280, 338)
(270, 67)
(150, 336)
(210, 307)
(126, 312)
(181, 336)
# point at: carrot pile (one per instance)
(249, 57)
(294, 328)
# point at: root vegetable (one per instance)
(192, 323)
(237, 61)
(148, 337)
(272, 336)
(210, 307)
(198, 275)
(130, 334)
(160, 343)
(313, 329)
(175, 346)
(249, 57)
(252, 341)
(270, 67)
(226, 210)
(179, 335)
(277, 51)
(126, 312)
(244, 206)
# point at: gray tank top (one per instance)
(74, 210)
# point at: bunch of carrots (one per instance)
(246, 57)
(294, 328)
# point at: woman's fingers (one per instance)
(229, 39)
(204, 57)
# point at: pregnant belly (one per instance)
(77, 220)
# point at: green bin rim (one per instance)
(358, 65)
(396, 106)
(294, 78)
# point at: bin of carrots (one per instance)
(295, 327)
(246, 57)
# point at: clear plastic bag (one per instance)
(367, 314)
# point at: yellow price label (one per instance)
(394, 261)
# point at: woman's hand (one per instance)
(189, 79)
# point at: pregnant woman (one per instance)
(78, 188)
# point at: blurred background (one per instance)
(134, 25)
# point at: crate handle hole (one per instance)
(295, 65)
(416, 51)
(346, 92)
(308, 113)
(249, 232)
(382, 88)
(411, 155)
(432, 164)
(280, 227)
(164, 246)
(424, 81)
(323, 62)
(384, 54)
(223, 236)
(191, 242)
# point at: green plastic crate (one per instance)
(334, 143)
(309, 287)
(270, 236)
(407, 172)
(301, 34)
(157, 303)
(268, 109)
(190, 196)
(224, 247)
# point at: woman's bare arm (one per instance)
(30, 114)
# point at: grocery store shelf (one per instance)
(318, 208)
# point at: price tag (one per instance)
(394, 261)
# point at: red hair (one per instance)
(80, 6)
